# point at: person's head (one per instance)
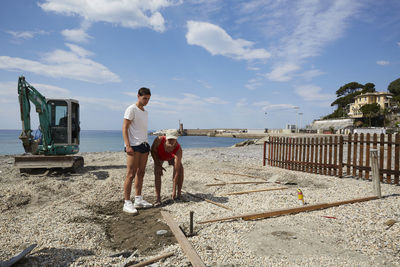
(171, 136)
(144, 96)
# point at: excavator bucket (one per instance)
(48, 162)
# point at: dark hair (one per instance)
(144, 91)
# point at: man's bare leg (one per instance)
(142, 161)
(157, 183)
(131, 170)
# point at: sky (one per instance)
(209, 63)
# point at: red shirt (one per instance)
(164, 155)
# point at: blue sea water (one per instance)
(100, 141)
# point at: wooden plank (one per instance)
(341, 143)
(330, 155)
(321, 150)
(381, 155)
(207, 200)
(316, 155)
(265, 152)
(389, 158)
(396, 158)
(274, 213)
(285, 152)
(308, 166)
(367, 155)
(303, 161)
(254, 191)
(325, 155)
(244, 182)
(182, 240)
(149, 261)
(361, 157)
(244, 175)
(312, 156)
(17, 257)
(355, 154)
(335, 151)
(348, 154)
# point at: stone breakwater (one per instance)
(76, 219)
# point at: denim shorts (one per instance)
(142, 148)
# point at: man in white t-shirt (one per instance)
(134, 132)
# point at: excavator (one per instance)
(57, 140)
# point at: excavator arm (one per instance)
(26, 95)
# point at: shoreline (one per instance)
(76, 218)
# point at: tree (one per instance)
(345, 96)
(370, 110)
(394, 88)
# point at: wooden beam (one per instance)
(207, 200)
(245, 175)
(147, 262)
(253, 191)
(182, 240)
(17, 257)
(244, 182)
(275, 213)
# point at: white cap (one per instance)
(172, 134)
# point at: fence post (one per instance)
(265, 152)
(376, 183)
(340, 174)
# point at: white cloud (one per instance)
(77, 35)
(25, 35)
(242, 103)
(181, 104)
(253, 84)
(73, 64)
(398, 43)
(266, 106)
(382, 62)
(308, 75)
(282, 73)
(8, 89)
(205, 84)
(130, 14)
(105, 102)
(313, 93)
(300, 29)
(51, 91)
(216, 41)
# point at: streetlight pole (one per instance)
(301, 116)
(296, 108)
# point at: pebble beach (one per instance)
(76, 219)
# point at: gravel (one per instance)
(60, 213)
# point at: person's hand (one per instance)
(129, 150)
(159, 171)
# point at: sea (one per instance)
(111, 140)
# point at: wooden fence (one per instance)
(336, 155)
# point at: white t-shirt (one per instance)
(137, 131)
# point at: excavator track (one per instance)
(48, 162)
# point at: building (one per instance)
(384, 100)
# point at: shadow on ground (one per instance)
(127, 233)
(53, 257)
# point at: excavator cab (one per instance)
(64, 121)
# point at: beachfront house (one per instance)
(383, 99)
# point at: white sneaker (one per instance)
(128, 207)
(141, 203)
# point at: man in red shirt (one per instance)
(167, 148)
